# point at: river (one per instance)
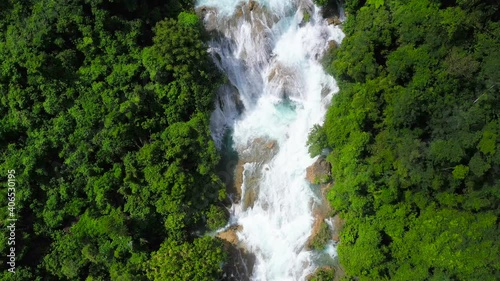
(270, 51)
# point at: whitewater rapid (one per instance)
(277, 90)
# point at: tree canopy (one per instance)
(104, 111)
(414, 134)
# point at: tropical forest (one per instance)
(249, 140)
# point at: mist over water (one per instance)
(277, 91)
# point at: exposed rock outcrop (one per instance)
(335, 20)
(260, 150)
(252, 5)
(240, 265)
(318, 221)
(241, 262)
(230, 235)
(332, 45)
(249, 168)
(209, 17)
(336, 223)
(319, 172)
(284, 80)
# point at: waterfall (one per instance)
(270, 51)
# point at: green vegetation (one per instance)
(323, 274)
(415, 137)
(199, 260)
(321, 238)
(104, 113)
(307, 17)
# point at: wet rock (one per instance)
(244, 10)
(319, 172)
(284, 80)
(335, 20)
(238, 179)
(249, 198)
(324, 92)
(251, 173)
(230, 235)
(332, 45)
(272, 74)
(251, 178)
(335, 223)
(252, 5)
(270, 145)
(239, 13)
(250, 14)
(318, 221)
(209, 17)
(321, 212)
(258, 153)
(260, 150)
(233, 94)
(240, 264)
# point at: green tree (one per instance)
(200, 260)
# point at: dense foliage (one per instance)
(104, 111)
(415, 140)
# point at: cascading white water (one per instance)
(270, 54)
